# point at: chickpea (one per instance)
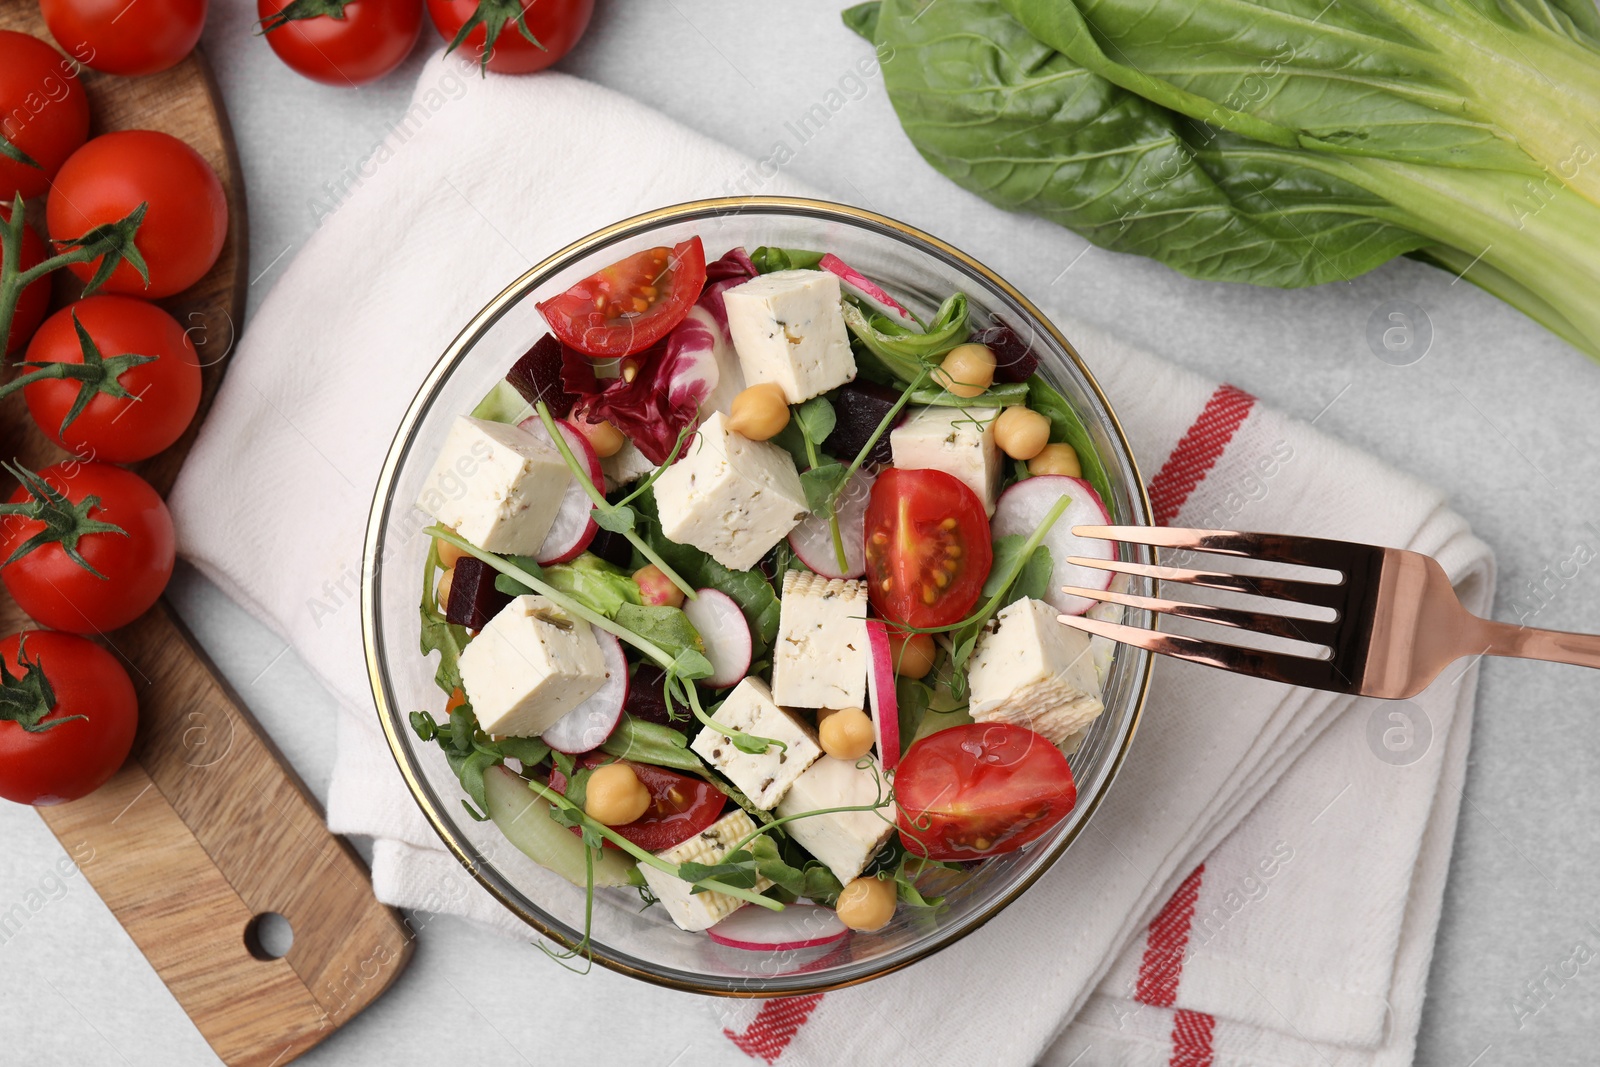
(1056, 459)
(442, 598)
(1021, 433)
(615, 796)
(912, 653)
(449, 554)
(967, 370)
(846, 734)
(603, 437)
(759, 412)
(867, 903)
(656, 588)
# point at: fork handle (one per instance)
(1526, 642)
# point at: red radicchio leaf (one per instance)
(675, 375)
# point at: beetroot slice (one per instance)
(613, 548)
(647, 701)
(1013, 360)
(473, 598)
(860, 405)
(537, 376)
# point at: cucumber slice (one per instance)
(525, 820)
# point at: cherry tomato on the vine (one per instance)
(119, 37)
(341, 42)
(68, 719)
(86, 547)
(44, 114)
(146, 395)
(978, 790)
(184, 225)
(556, 25)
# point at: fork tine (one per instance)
(1306, 551)
(1311, 630)
(1323, 594)
(1273, 666)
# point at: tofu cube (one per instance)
(820, 657)
(1029, 669)
(845, 841)
(700, 911)
(626, 466)
(788, 328)
(764, 777)
(496, 485)
(959, 441)
(730, 497)
(531, 665)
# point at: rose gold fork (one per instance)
(1398, 622)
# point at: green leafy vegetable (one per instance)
(439, 634)
(822, 485)
(470, 752)
(769, 259)
(1278, 142)
(502, 403)
(904, 351)
(1067, 428)
(649, 742)
(669, 629)
(1005, 395)
(590, 579)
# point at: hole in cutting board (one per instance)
(268, 936)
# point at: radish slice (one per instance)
(796, 927)
(1024, 506)
(574, 526)
(587, 726)
(867, 290)
(812, 540)
(881, 695)
(725, 631)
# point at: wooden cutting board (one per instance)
(207, 828)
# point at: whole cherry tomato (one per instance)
(184, 225)
(86, 547)
(68, 719)
(44, 114)
(150, 384)
(119, 37)
(341, 42)
(555, 25)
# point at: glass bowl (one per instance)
(645, 944)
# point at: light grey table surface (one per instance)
(1498, 413)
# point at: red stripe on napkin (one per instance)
(1162, 964)
(1198, 451)
(774, 1026)
(1191, 1039)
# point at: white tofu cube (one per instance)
(730, 497)
(496, 485)
(700, 911)
(531, 665)
(788, 328)
(820, 657)
(845, 841)
(766, 776)
(625, 466)
(959, 441)
(1029, 669)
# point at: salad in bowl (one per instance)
(740, 592)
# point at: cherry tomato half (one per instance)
(979, 790)
(34, 303)
(55, 590)
(364, 41)
(556, 24)
(927, 545)
(44, 113)
(122, 38)
(72, 759)
(680, 806)
(162, 396)
(184, 227)
(630, 305)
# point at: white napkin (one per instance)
(1236, 775)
